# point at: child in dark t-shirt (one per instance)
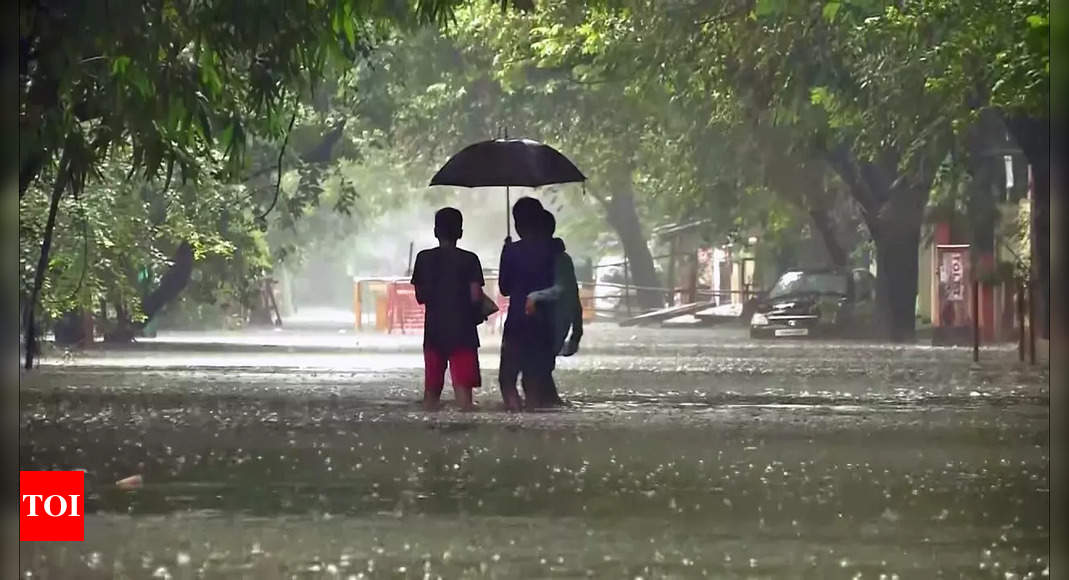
(449, 283)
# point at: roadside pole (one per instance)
(409, 271)
(1020, 320)
(1031, 323)
(976, 320)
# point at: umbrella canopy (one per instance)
(507, 162)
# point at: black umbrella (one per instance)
(507, 162)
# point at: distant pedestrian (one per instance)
(449, 283)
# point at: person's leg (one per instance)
(538, 382)
(532, 390)
(465, 398)
(557, 400)
(507, 374)
(551, 396)
(433, 377)
(466, 376)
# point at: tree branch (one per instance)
(58, 187)
(920, 142)
(85, 249)
(740, 10)
(824, 225)
(278, 179)
(601, 199)
(844, 164)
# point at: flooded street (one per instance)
(684, 453)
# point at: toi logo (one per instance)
(51, 506)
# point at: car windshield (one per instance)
(808, 283)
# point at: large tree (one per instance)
(822, 86)
(882, 133)
(116, 239)
(695, 133)
(497, 70)
(992, 60)
(567, 75)
(181, 84)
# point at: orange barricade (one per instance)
(496, 322)
(586, 300)
(403, 313)
(402, 310)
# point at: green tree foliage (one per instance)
(116, 237)
(761, 115)
(181, 76)
(858, 96)
(545, 75)
(843, 86)
(183, 85)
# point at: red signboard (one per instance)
(51, 506)
(954, 279)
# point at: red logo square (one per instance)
(51, 506)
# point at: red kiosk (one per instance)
(954, 312)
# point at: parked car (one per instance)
(816, 303)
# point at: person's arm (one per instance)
(571, 345)
(547, 294)
(419, 281)
(550, 293)
(504, 271)
(563, 272)
(577, 322)
(476, 281)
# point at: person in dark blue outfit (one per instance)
(527, 341)
(560, 302)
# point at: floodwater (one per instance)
(684, 453)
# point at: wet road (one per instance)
(685, 453)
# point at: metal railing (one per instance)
(1025, 317)
(622, 296)
(669, 295)
(627, 297)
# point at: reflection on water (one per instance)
(790, 492)
(918, 468)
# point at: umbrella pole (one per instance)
(508, 200)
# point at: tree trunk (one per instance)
(1033, 135)
(30, 323)
(172, 283)
(896, 232)
(1041, 227)
(985, 139)
(982, 209)
(623, 218)
(822, 222)
(799, 179)
(75, 327)
(896, 295)
(893, 213)
(123, 330)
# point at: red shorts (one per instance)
(463, 369)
